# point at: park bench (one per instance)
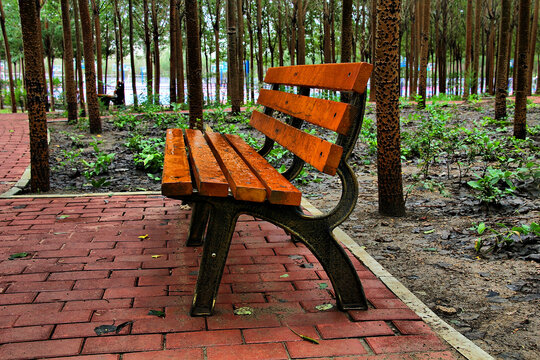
(222, 177)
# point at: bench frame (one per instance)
(213, 221)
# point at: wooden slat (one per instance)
(243, 183)
(332, 115)
(176, 179)
(278, 189)
(339, 77)
(206, 171)
(321, 154)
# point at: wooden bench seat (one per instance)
(223, 177)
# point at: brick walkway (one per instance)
(14, 149)
(95, 261)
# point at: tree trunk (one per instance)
(346, 31)
(260, 43)
(520, 117)
(373, 82)
(468, 49)
(89, 70)
(302, 8)
(8, 59)
(132, 56)
(280, 35)
(215, 27)
(180, 93)
(35, 89)
(148, 54)
(490, 61)
(441, 47)
(327, 52)
(424, 47)
(71, 91)
(240, 50)
(476, 48)
(391, 200)
(78, 56)
(97, 27)
(120, 40)
(532, 46)
(233, 78)
(172, 57)
(195, 92)
(155, 37)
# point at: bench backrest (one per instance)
(339, 117)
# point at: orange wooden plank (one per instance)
(321, 154)
(278, 189)
(206, 171)
(176, 179)
(339, 77)
(332, 115)
(243, 183)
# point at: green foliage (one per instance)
(149, 154)
(101, 164)
(502, 236)
(493, 185)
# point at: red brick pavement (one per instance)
(14, 149)
(87, 266)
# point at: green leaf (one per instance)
(429, 231)
(284, 276)
(18, 255)
(324, 307)
(323, 286)
(481, 228)
(157, 313)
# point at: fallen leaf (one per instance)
(106, 329)
(323, 286)
(143, 236)
(246, 310)
(18, 255)
(62, 217)
(156, 256)
(284, 276)
(304, 337)
(429, 231)
(157, 313)
(324, 307)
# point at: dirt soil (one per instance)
(492, 298)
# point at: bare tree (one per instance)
(69, 79)
(520, 117)
(501, 87)
(424, 47)
(195, 92)
(8, 58)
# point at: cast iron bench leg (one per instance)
(197, 227)
(215, 250)
(339, 268)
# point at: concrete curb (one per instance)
(459, 342)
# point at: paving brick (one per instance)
(29, 333)
(40, 349)
(79, 275)
(412, 327)
(287, 308)
(162, 301)
(184, 354)
(62, 253)
(240, 298)
(447, 355)
(24, 277)
(31, 286)
(20, 309)
(290, 276)
(312, 284)
(383, 314)
(299, 295)
(130, 265)
(53, 268)
(262, 287)
(175, 320)
(409, 343)
(379, 357)
(19, 298)
(388, 303)
(129, 292)
(378, 293)
(256, 269)
(231, 321)
(122, 314)
(313, 319)
(278, 259)
(104, 283)
(204, 339)
(167, 280)
(349, 330)
(63, 317)
(278, 334)
(118, 344)
(97, 304)
(89, 357)
(139, 272)
(340, 347)
(69, 295)
(86, 329)
(247, 352)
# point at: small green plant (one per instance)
(150, 154)
(503, 236)
(494, 185)
(101, 164)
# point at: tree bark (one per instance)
(8, 59)
(195, 92)
(132, 56)
(424, 47)
(172, 57)
(120, 40)
(97, 27)
(148, 54)
(240, 50)
(520, 117)
(346, 31)
(180, 93)
(391, 202)
(78, 57)
(259, 43)
(89, 70)
(155, 37)
(69, 80)
(373, 82)
(232, 50)
(468, 49)
(215, 26)
(35, 89)
(532, 46)
(476, 48)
